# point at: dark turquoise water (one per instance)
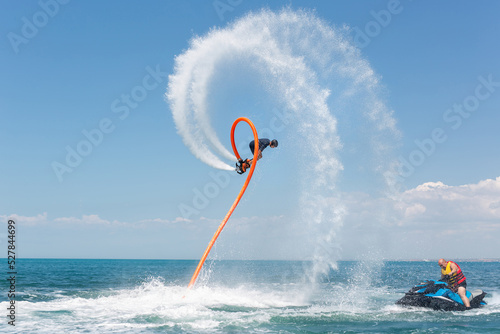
(146, 296)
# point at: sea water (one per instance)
(150, 296)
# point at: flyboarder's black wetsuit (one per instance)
(263, 143)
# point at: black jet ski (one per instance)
(436, 295)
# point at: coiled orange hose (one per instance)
(242, 191)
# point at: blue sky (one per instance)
(101, 68)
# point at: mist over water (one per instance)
(318, 77)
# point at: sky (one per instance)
(395, 154)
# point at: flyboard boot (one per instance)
(242, 166)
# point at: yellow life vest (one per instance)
(457, 277)
(448, 269)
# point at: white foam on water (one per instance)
(156, 306)
(151, 305)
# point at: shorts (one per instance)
(463, 284)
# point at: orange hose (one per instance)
(242, 191)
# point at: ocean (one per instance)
(150, 296)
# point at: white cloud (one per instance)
(26, 220)
(166, 221)
(415, 210)
(42, 218)
(86, 219)
(435, 201)
(431, 220)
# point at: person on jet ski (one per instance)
(453, 275)
(263, 143)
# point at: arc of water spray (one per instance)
(314, 72)
(242, 191)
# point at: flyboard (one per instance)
(242, 191)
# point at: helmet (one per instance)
(274, 142)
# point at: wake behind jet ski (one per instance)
(438, 296)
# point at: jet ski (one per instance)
(436, 295)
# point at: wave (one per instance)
(155, 305)
(152, 304)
